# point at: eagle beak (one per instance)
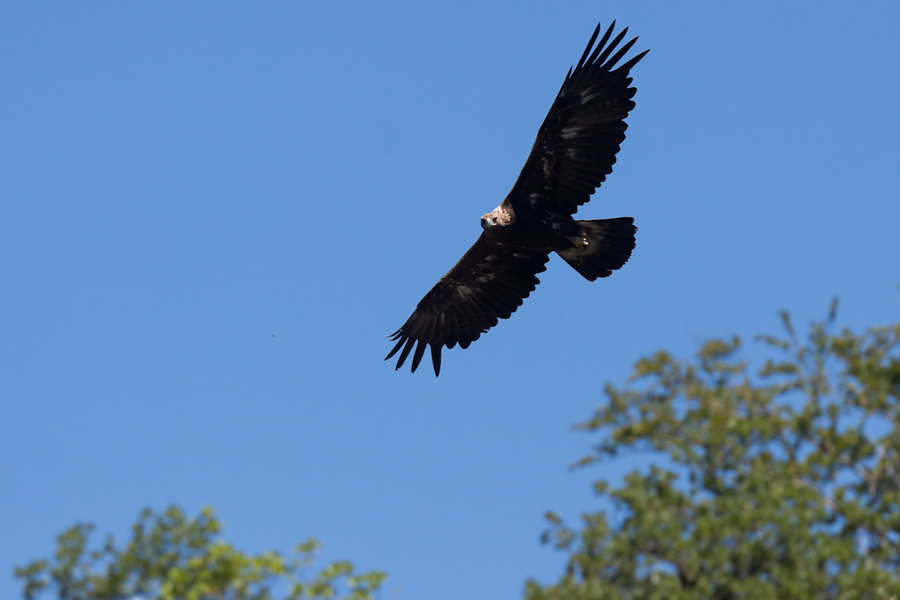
(485, 224)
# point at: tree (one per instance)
(172, 557)
(780, 484)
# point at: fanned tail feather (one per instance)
(604, 246)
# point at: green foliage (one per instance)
(780, 484)
(172, 557)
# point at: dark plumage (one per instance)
(574, 151)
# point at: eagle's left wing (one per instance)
(488, 283)
(577, 143)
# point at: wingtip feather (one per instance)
(587, 48)
(633, 61)
(622, 51)
(417, 356)
(436, 359)
(405, 353)
(396, 347)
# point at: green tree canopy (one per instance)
(172, 557)
(779, 482)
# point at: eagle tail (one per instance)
(602, 247)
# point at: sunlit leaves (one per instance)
(779, 482)
(174, 557)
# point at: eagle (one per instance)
(574, 151)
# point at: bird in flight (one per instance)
(574, 151)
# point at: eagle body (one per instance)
(575, 149)
(529, 227)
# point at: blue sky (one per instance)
(212, 214)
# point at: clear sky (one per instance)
(212, 214)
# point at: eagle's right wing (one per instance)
(488, 283)
(577, 143)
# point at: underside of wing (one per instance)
(487, 284)
(576, 145)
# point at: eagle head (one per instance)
(496, 218)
